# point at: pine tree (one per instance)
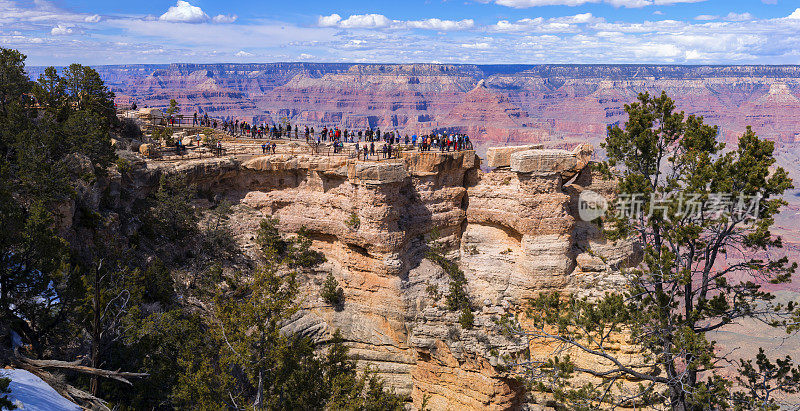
(698, 273)
(5, 403)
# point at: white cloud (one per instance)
(567, 24)
(670, 2)
(61, 30)
(739, 16)
(795, 15)
(578, 19)
(364, 21)
(478, 46)
(438, 24)
(183, 12)
(242, 53)
(658, 13)
(224, 19)
(706, 17)
(379, 21)
(520, 4)
(95, 18)
(329, 21)
(305, 56)
(630, 3)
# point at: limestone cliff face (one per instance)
(514, 232)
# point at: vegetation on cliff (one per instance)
(92, 280)
(705, 261)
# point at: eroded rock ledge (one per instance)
(513, 230)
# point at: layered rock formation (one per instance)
(496, 105)
(514, 231)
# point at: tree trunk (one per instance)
(259, 403)
(677, 398)
(96, 331)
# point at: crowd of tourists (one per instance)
(366, 143)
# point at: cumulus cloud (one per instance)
(706, 17)
(329, 21)
(364, 21)
(54, 36)
(739, 16)
(520, 4)
(631, 4)
(578, 19)
(378, 21)
(61, 30)
(477, 46)
(224, 19)
(566, 24)
(183, 12)
(438, 24)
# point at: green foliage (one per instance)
(696, 274)
(294, 252)
(172, 217)
(124, 166)
(331, 292)
(269, 239)
(173, 107)
(218, 241)
(761, 382)
(353, 222)
(350, 391)
(210, 138)
(5, 403)
(466, 319)
(163, 134)
(433, 291)
(299, 253)
(122, 302)
(457, 298)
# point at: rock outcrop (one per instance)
(514, 232)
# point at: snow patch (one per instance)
(30, 393)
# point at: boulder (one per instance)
(590, 263)
(545, 161)
(146, 150)
(501, 156)
(187, 141)
(584, 154)
(381, 173)
(150, 113)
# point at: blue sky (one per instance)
(452, 31)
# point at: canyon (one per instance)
(509, 222)
(555, 105)
(494, 104)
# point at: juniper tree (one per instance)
(5, 403)
(705, 220)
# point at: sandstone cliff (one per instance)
(514, 231)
